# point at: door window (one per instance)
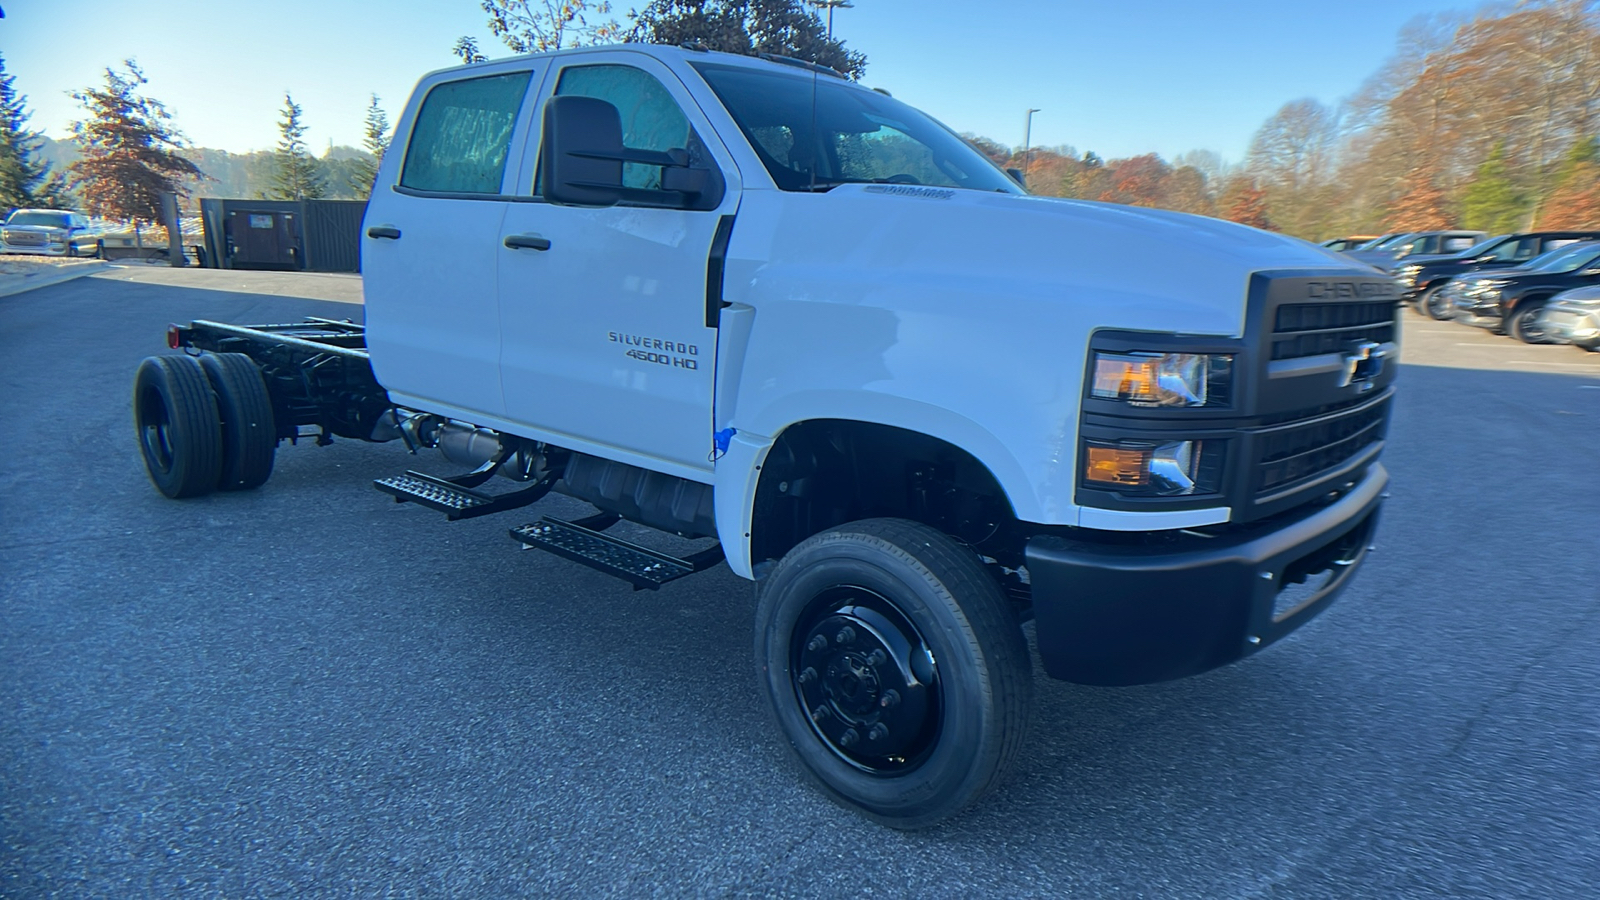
(651, 119)
(463, 133)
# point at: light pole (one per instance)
(830, 6)
(1027, 143)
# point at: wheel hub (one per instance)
(868, 682)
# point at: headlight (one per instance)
(1162, 379)
(1157, 470)
(1407, 275)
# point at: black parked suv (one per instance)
(1513, 300)
(1422, 280)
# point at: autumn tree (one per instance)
(1423, 206)
(25, 180)
(747, 27)
(130, 150)
(376, 143)
(1244, 202)
(1492, 202)
(295, 173)
(1575, 202)
(1291, 159)
(535, 26)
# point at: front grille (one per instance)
(25, 237)
(1312, 329)
(1297, 453)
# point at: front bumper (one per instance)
(1572, 323)
(1118, 614)
(35, 249)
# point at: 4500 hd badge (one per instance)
(675, 354)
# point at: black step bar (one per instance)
(455, 500)
(640, 566)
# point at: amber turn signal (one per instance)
(1117, 465)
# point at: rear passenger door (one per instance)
(430, 240)
(607, 346)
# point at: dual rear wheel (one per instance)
(204, 424)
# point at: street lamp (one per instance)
(830, 6)
(1027, 143)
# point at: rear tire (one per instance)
(1430, 304)
(895, 669)
(180, 434)
(249, 433)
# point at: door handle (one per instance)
(384, 231)
(526, 242)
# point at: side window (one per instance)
(651, 119)
(1457, 244)
(1558, 243)
(463, 133)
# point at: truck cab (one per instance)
(749, 302)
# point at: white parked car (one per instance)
(1574, 317)
(752, 302)
(48, 232)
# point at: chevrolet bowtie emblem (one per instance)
(1363, 363)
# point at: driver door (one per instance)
(605, 346)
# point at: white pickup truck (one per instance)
(749, 302)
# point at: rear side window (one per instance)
(463, 134)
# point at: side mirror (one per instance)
(581, 161)
(1018, 177)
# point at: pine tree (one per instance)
(130, 150)
(748, 27)
(1492, 201)
(25, 180)
(295, 175)
(365, 171)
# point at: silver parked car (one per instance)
(48, 232)
(1574, 317)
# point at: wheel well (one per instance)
(825, 472)
(1530, 300)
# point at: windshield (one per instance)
(1567, 259)
(1377, 242)
(852, 136)
(45, 219)
(1484, 246)
(1392, 243)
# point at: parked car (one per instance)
(1574, 317)
(48, 232)
(1386, 256)
(1348, 243)
(1422, 280)
(1513, 300)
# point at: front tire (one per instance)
(1430, 304)
(895, 669)
(1524, 324)
(180, 434)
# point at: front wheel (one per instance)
(895, 669)
(1432, 305)
(1526, 326)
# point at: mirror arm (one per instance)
(676, 159)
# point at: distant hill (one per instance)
(234, 175)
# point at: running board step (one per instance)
(453, 500)
(639, 566)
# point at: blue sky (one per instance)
(1119, 78)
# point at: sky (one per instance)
(1119, 78)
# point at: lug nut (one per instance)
(846, 635)
(878, 732)
(817, 643)
(889, 699)
(808, 675)
(877, 658)
(849, 737)
(820, 713)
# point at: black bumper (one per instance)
(1119, 614)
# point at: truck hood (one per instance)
(1035, 260)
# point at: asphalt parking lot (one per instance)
(309, 690)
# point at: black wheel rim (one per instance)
(155, 430)
(866, 680)
(1528, 328)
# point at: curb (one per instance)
(33, 282)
